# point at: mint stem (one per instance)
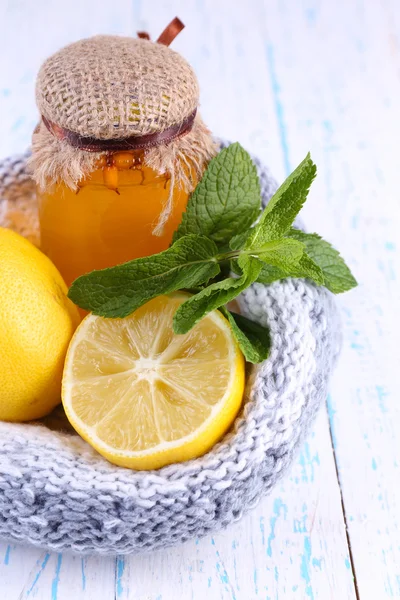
(237, 253)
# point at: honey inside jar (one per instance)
(111, 218)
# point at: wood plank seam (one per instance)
(353, 570)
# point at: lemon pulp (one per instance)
(145, 397)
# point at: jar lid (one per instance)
(110, 93)
(111, 87)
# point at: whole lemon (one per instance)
(37, 321)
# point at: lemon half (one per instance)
(145, 397)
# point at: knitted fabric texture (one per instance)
(57, 493)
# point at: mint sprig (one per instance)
(221, 228)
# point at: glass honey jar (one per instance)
(111, 218)
(118, 151)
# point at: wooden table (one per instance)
(282, 77)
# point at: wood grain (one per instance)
(346, 111)
(282, 77)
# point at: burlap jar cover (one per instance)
(110, 93)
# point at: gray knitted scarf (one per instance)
(57, 493)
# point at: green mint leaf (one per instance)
(253, 339)
(239, 241)
(216, 295)
(305, 269)
(226, 201)
(283, 253)
(284, 205)
(308, 269)
(336, 274)
(269, 274)
(234, 267)
(118, 291)
(281, 259)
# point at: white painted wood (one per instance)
(344, 107)
(282, 78)
(31, 573)
(16, 565)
